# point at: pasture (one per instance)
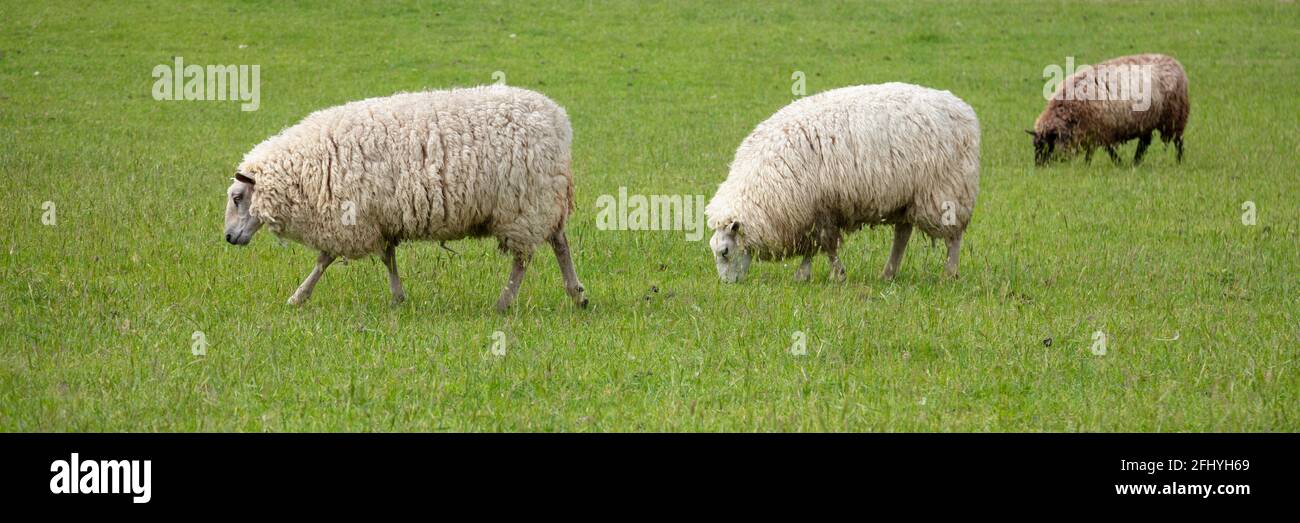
(103, 307)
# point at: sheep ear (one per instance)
(1031, 132)
(241, 178)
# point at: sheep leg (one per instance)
(304, 291)
(572, 286)
(1178, 144)
(838, 274)
(830, 238)
(902, 232)
(804, 272)
(1087, 156)
(954, 250)
(1143, 143)
(512, 285)
(394, 283)
(1114, 156)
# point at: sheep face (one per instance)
(1044, 146)
(730, 257)
(240, 224)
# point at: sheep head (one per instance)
(731, 258)
(1044, 145)
(1056, 131)
(240, 223)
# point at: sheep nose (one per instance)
(230, 238)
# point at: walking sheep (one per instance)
(358, 179)
(1114, 102)
(830, 163)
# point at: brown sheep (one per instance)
(1114, 102)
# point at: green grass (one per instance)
(98, 310)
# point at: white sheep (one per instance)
(357, 179)
(830, 163)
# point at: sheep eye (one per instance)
(235, 198)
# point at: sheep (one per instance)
(356, 180)
(1114, 102)
(828, 164)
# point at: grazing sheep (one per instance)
(830, 163)
(1114, 102)
(357, 179)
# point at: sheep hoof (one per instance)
(802, 275)
(397, 300)
(296, 301)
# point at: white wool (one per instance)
(437, 165)
(887, 153)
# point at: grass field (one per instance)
(98, 311)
